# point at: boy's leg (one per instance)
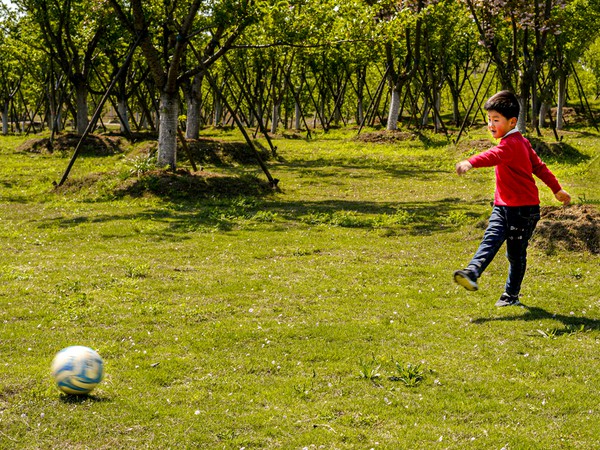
(521, 224)
(493, 238)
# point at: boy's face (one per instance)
(500, 125)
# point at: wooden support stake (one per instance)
(186, 149)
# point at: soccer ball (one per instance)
(77, 369)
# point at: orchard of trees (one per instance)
(172, 66)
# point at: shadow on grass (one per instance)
(80, 399)
(225, 214)
(327, 168)
(557, 152)
(533, 313)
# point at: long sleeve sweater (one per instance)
(515, 163)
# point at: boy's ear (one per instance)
(512, 122)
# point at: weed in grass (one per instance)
(142, 164)
(400, 217)
(410, 374)
(549, 333)
(576, 274)
(369, 368)
(136, 270)
(264, 216)
(349, 219)
(456, 218)
(553, 333)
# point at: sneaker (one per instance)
(508, 300)
(466, 279)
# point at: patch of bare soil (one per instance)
(95, 145)
(575, 228)
(386, 137)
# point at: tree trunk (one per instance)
(522, 120)
(82, 108)
(562, 95)
(218, 112)
(297, 114)
(392, 122)
(5, 118)
(425, 117)
(544, 107)
(167, 133)
(192, 129)
(360, 112)
(275, 118)
(360, 83)
(124, 118)
(437, 105)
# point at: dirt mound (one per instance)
(474, 146)
(386, 137)
(183, 184)
(179, 185)
(557, 151)
(95, 145)
(213, 151)
(574, 228)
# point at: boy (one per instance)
(516, 201)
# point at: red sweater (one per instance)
(516, 162)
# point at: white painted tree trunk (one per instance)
(392, 122)
(562, 96)
(192, 128)
(218, 112)
(522, 120)
(275, 118)
(167, 133)
(124, 117)
(82, 108)
(425, 118)
(544, 108)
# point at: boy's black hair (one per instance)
(505, 103)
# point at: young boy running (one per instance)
(516, 201)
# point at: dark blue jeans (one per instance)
(515, 225)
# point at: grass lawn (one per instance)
(321, 316)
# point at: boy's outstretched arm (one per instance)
(563, 196)
(463, 167)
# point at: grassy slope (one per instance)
(246, 322)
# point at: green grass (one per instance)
(321, 316)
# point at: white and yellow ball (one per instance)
(77, 369)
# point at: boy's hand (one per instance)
(463, 167)
(563, 196)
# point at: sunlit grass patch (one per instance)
(321, 315)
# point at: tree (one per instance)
(69, 33)
(10, 79)
(165, 41)
(526, 40)
(402, 50)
